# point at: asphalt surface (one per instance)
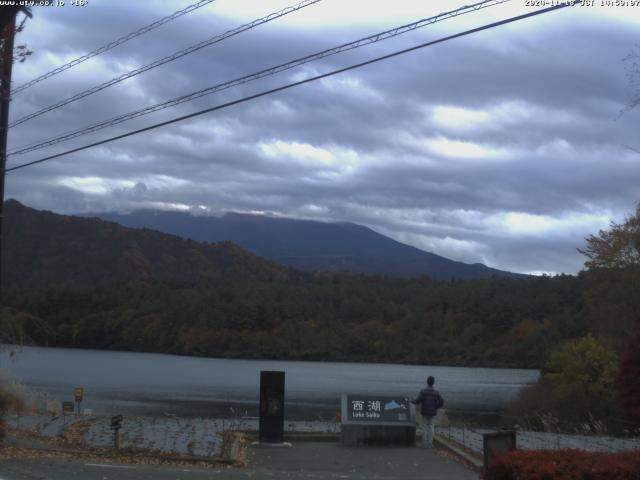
(304, 460)
(329, 460)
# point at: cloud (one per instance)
(505, 147)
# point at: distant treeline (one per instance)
(495, 322)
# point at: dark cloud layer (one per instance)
(505, 147)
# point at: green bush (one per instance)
(581, 374)
(576, 388)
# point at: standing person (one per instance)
(430, 401)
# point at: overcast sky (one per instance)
(505, 147)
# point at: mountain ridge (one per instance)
(309, 245)
(42, 248)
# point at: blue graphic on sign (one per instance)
(393, 405)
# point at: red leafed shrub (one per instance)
(563, 465)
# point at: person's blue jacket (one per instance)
(431, 401)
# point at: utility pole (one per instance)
(8, 33)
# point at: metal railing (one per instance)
(471, 439)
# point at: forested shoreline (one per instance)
(495, 322)
(86, 283)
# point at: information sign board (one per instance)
(377, 409)
(377, 420)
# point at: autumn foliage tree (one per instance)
(632, 69)
(618, 247)
(628, 379)
(613, 263)
(615, 254)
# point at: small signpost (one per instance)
(116, 425)
(67, 407)
(77, 393)
(374, 419)
(271, 407)
(497, 442)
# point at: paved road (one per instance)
(305, 460)
(59, 469)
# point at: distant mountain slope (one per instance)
(309, 245)
(41, 248)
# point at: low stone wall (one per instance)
(202, 437)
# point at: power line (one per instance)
(113, 44)
(167, 59)
(260, 74)
(301, 82)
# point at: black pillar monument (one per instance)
(271, 407)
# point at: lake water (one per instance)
(158, 384)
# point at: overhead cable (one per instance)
(258, 75)
(111, 45)
(301, 82)
(167, 59)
